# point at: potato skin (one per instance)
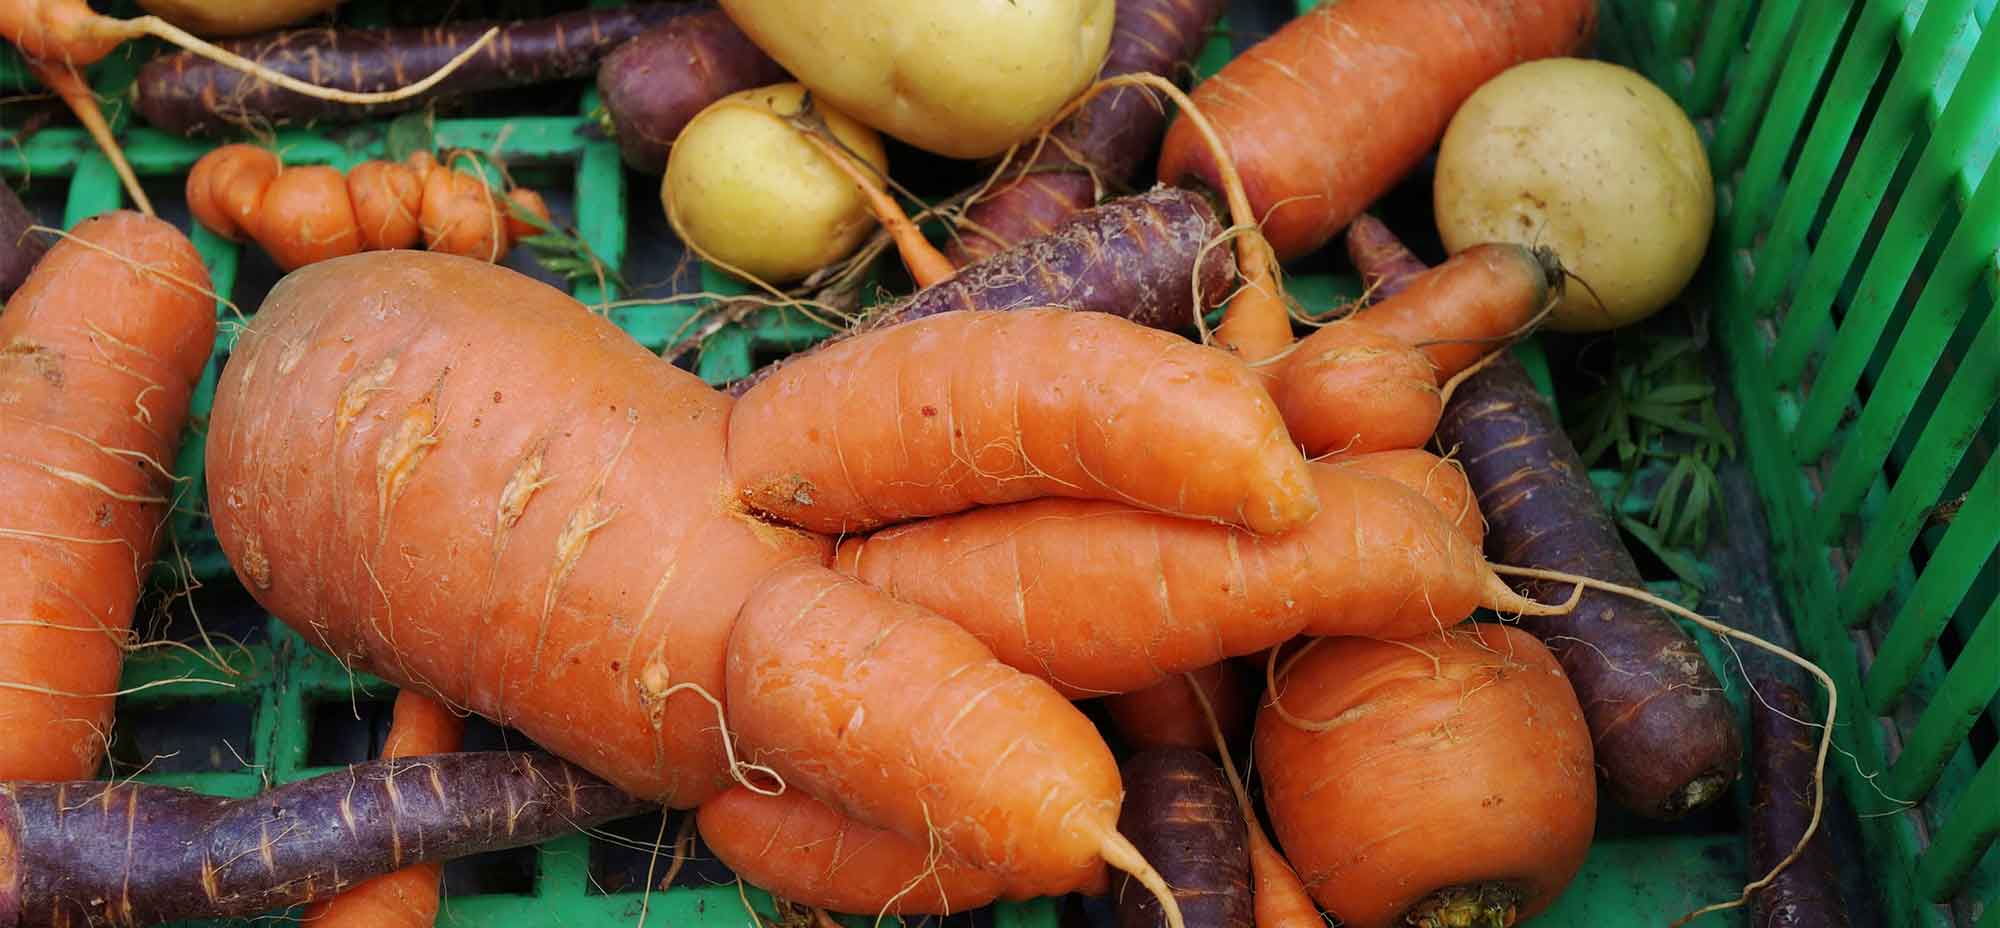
(964, 79)
(1593, 161)
(748, 189)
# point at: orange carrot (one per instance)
(68, 84)
(800, 849)
(1330, 111)
(1277, 896)
(927, 265)
(1470, 306)
(991, 763)
(406, 898)
(525, 200)
(1165, 715)
(1351, 388)
(99, 352)
(1099, 598)
(963, 409)
(470, 528)
(387, 199)
(1459, 763)
(461, 216)
(226, 185)
(1441, 480)
(306, 216)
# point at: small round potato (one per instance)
(1591, 160)
(746, 188)
(961, 78)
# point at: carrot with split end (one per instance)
(967, 409)
(468, 522)
(68, 84)
(1099, 598)
(1459, 762)
(1331, 110)
(99, 354)
(820, 671)
(1278, 899)
(406, 898)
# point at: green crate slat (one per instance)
(1903, 108)
(1720, 40)
(1778, 127)
(1833, 124)
(1962, 412)
(1931, 191)
(1893, 393)
(1954, 708)
(1960, 844)
(1965, 550)
(1750, 90)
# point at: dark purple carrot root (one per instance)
(1784, 756)
(1110, 136)
(1386, 265)
(653, 85)
(189, 95)
(94, 853)
(19, 248)
(1665, 738)
(1181, 814)
(1132, 257)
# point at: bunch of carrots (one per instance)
(846, 610)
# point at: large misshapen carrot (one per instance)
(1331, 110)
(1100, 598)
(99, 353)
(1460, 762)
(967, 409)
(511, 506)
(406, 898)
(993, 763)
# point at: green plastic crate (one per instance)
(1852, 279)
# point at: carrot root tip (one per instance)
(1468, 905)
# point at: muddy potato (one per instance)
(1593, 161)
(745, 187)
(964, 78)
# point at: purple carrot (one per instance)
(1181, 814)
(1785, 757)
(1110, 136)
(19, 248)
(1133, 257)
(654, 85)
(94, 853)
(189, 95)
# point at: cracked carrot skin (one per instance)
(99, 353)
(1101, 598)
(897, 717)
(965, 409)
(151, 854)
(1302, 112)
(406, 898)
(463, 481)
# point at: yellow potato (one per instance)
(962, 78)
(746, 188)
(235, 17)
(1593, 161)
